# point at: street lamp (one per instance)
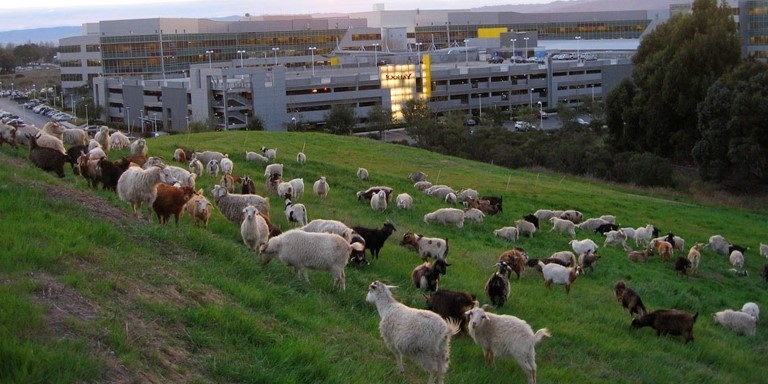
(128, 118)
(513, 51)
(526, 47)
(275, 49)
(376, 54)
(293, 119)
(466, 50)
(531, 103)
(154, 122)
(141, 119)
(86, 114)
(240, 52)
(541, 117)
(578, 55)
(312, 52)
(209, 52)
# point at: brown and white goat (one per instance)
(515, 259)
(663, 248)
(559, 275)
(427, 276)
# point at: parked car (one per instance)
(581, 121)
(496, 60)
(542, 115)
(522, 126)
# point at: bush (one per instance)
(647, 169)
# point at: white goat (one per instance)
(301, 158)
(226, 165)
(643, 235)
(525, 227)
(255, 156)
(379, 201)
(426, 246)
(718, 244)
(404, 201)
(583, 246)
(446, 216)
(422, 185)
(136, 186)
(213, 168)
(559, 275)
(509, 233)
(321, 187)
(298, 188)
(764, 250)
(362, 173)
(616, 238)
(739, 322)
(544, 214)
(295, 213)
(563, 225)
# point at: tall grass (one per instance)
(182, 304)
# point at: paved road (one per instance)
(29, 117)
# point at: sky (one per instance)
(22, 14)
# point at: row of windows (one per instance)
(366, 36)
(93, 48)
(69, 48)
(70, 63)
(71, 77)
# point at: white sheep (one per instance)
(474, 215)
(136, 186)
(199, 209)
(23, 135)
(285, 189)
(379, 201)
(321, 187)
(362, 174)
(54, 129)
(97, 153)
(737, 259)
(451, 199)
(572, 215)
(270, 153)
(420, 334)
(509, 233)
(295, 213)
(446, 216)
(764, 250)
(47, 141)
(327, 226)
(752, 309)
(196, 167)
(557, 274)
(93, 144)
(583, 246)
(307, 250)
(718, 244)
(77, 136)
(506, 336)
(153, 161)
(253, 229)
(404, 201)
(611, 219)
(616, 238)
(440, 192)
(298, 188)
(467, 193)
(102, 136)
(226, 165)
(118, 140)
(213, 168)
(422, 185)
(254, 156)
(525, 228)
(8, 135)
(562, 225)
(591, 224)
(739, 322)
(139, 147)
(544, 214)
(301, 158)
(231, 205)
(643, 235)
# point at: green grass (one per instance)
(185, 305)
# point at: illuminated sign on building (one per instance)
(400, 79)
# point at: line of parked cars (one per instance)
(48, 111)
(11, 119)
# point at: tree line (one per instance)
(12, 56)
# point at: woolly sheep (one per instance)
(184, 177)
(572, 215)
(137, 186)
(467, 192)
(270, 153)
(23, 135)
(422, 185)
(102, 136)
(231, 205)
(297, 185)
(253, 230)
(379, 201)
(338, 228)
(630, 232)
(544, 214)
(525, 227)
(509, 233)
(226, 165)
(362, 173)
(426, 246)
(77, 136)
(609, 218)
(8, 135)
(420, 334)
(591, 224)
(295, 213)
(446, 216)
(206, 156)
(254, 156)
(739, 322)
(474, 215)
(506, 336)
(97, 153)
(139, 147)
(117, 140)
(307, 250)
(199, 209)
(404, 201)
(301, 158)
(718, 244)
(417, 176)
(752, 309)
(93, 144)
(321, 187)
(45, 140)
(737, 259)
(213, 168)
(54, 129)
(565, 226)
(616, 237)
(440, 193)
(451, 199)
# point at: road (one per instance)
(29, 117)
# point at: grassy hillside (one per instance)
(89, 294)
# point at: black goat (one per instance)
(605, 228)
(73, 153)
(496, 201)
(375, 238)
(44, 158)
(427, 276)
(532, 219)
(628, 298)
(668, 321)
(497, 287)
(108, 173)
(451, 304)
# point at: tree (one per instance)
(674, 67)
(341, 119)
(380, 118)
(7, 61)
(419, 122)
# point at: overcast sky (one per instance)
(20, 14)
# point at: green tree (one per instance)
(380, 118)
(7, 61)
(674, 67)
(27, 53)
(341, 119)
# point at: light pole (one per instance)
(312, 52)
(541, 117)
(86, 114)
(526, 47)
(376, 54)
(240, 52)
(141, 119)
(187, 117)
(514, 54)
(128, 119)
(209, 52)
(466, 50)
(154, 122)
(293, 120)
(531, 103)
(71, 101)
(578, 55)
(275, 49)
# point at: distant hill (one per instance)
(38, 35)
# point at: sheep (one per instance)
(694, 256)
(362, 174)
(426, 246)
(668, 321)
(565, 226)
(451, 305)
(420, 334)
(682, 265)
(506, 336)
(567, 257)
(93, 144)
(737, 259)
(583, 246)
(139, 147)
(231, 205)
(321, 187)
(441, 193)
(8, 135)
(297, 185)
(206, 156)
(718, 244)
(379, 201)
(54, 129)
(616, 237)
(630, 232)
(509, 233)
(643, 235)
(446, 216)
(544, 214)
(47, 159)
(226, 165)
(587, 260)
(254, 156)
(752, 309)
(532, 219)
(515, 260)
(467, 192)
(196, 167)
(591, 224)
(137, 186)
(77, 136)
(98, 153)
(184, 177)
(117, 140)
(307, 250)
(301, 158)
(108, 173)
(739, 322)
(375, 238)
(559, 275)
(422, 185)
(269, 153)
(663, 248)
(474, 215)
(404, 201)
(368, 193)
(611, 219)
(607, 227)
(628, 298)
(341, 229)
(199, 209)
(213, 168)
(170, 200)
(45, 140)
(639, 256)
(253, 230)
(417, 176)
(427, 276)
(572, 215)
(102, 136)
(451, 199)
(525, 228)
(764, 250)
(497, 286)
(295, 213)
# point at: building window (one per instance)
(93, 48)
(69, 49)
(70, 63)
(71, 77)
